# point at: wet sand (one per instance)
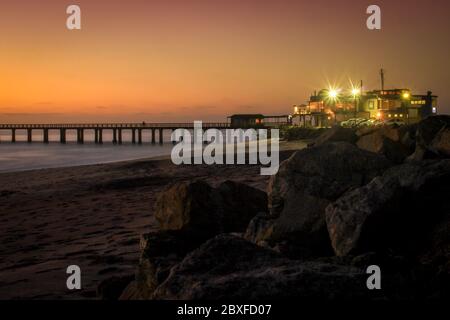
(89, 216)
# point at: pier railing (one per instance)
(142, 125)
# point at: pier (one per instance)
(117, 130)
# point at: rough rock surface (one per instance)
(429, 138)
(441, 143)
(229, 267)
(335, 134)
(160, 251)
(390, 141)
(394, 212)
(202, 211)
(304, 186)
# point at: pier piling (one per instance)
(62, 135)
(161, 136)
(45, 135)
(114, 136)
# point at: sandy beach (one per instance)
(89, 216)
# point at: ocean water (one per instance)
(22, 156)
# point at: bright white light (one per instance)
(333, 93)
(356, 91)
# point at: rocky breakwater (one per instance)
(351, 200)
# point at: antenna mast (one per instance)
(382, 79)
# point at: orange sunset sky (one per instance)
(185, 60)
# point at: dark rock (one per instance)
(396, 211)
(202, 211)
(228, 267)
(239, 203)
(260, 229)
(386, 141)
(335, 134)
(299, 133)
(304, 186)
(441, 143)
(429, 138)
(188, 207)
(131, 292)
(160, 251)
(112, 288)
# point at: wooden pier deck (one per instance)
(117, 129)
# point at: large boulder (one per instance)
(335, 134)
(392, 141)
(377, 142)
(202, 211)
(441, 143)
(189, 207)
(189, 214)
(430, 138)
(395, 212)
(304, 186)
(160, 251)
(238, 204)
(228, 267)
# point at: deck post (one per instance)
(153, 136)
(161, 136)
(62, 135)
(114, 136)
(80, 136)
(30, 135)
(100, 136)
(173, 142)
(140, 136)
(120, 136)
(13, 135)
(45, 135)
(133, 136)
(96, 136)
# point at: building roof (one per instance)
(246, 116)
